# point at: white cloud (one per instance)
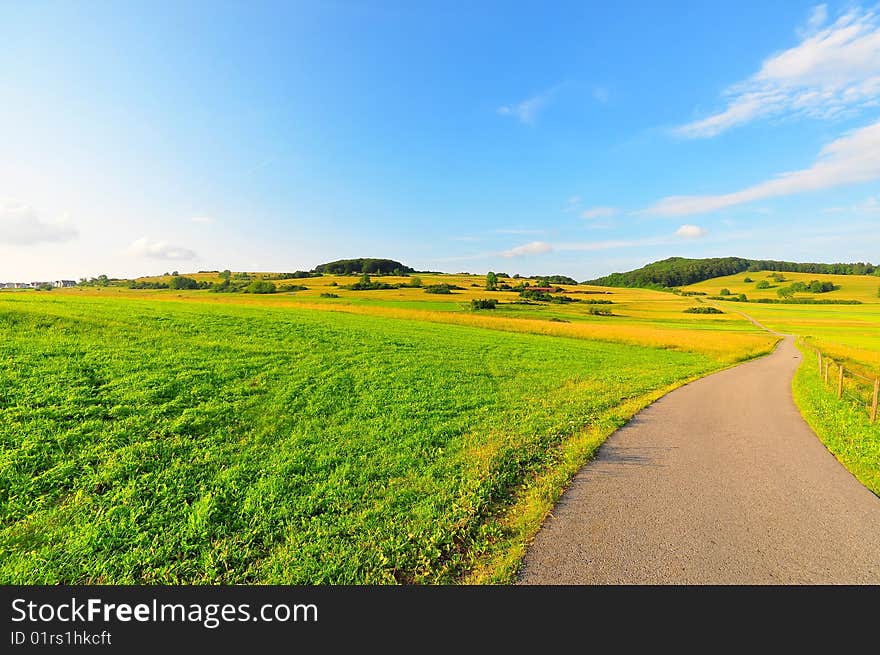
(533, 248)
(202, 219)
(834, 70)
(600, 212)
(849, 159)
(527, 110)
(160, 250)
(21, 225)
(691, 231)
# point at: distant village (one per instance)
(37, 285)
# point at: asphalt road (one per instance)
(719, 482)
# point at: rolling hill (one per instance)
(680, 271)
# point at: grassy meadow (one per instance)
(328, 435)
(385, 436)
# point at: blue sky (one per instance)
(575, 138)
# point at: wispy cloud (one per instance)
(684, 232)
(818, 17)
(540, 247)
(527, 111)
(834, 70)
(868, 206)
(518, 231)
(572, 204)
(691, 231)
(160, 250)
(533, 248)
(21, 225)
(202, 219)
(613, 244)
(852, 158)
(600, 94)
(600, 212)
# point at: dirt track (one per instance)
(720, 481)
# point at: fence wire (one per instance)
(830, 374)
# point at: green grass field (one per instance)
(206, 442)
(387, 436)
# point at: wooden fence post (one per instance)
(874, 401)
(840, 382)
(826, 372)
(819, 352)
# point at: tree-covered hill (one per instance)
(363, 265)
(680, 271)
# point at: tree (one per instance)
(181, 282)
(724, 292)
(491, 281)
(763, 284)
(260, 286)
(175, 273)
(225, 275)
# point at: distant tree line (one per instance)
(296, 275)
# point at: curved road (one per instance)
(720, 481)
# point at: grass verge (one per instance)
(843, 427)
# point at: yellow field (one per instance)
(852, 287)
(642, 317)
(845, 332)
